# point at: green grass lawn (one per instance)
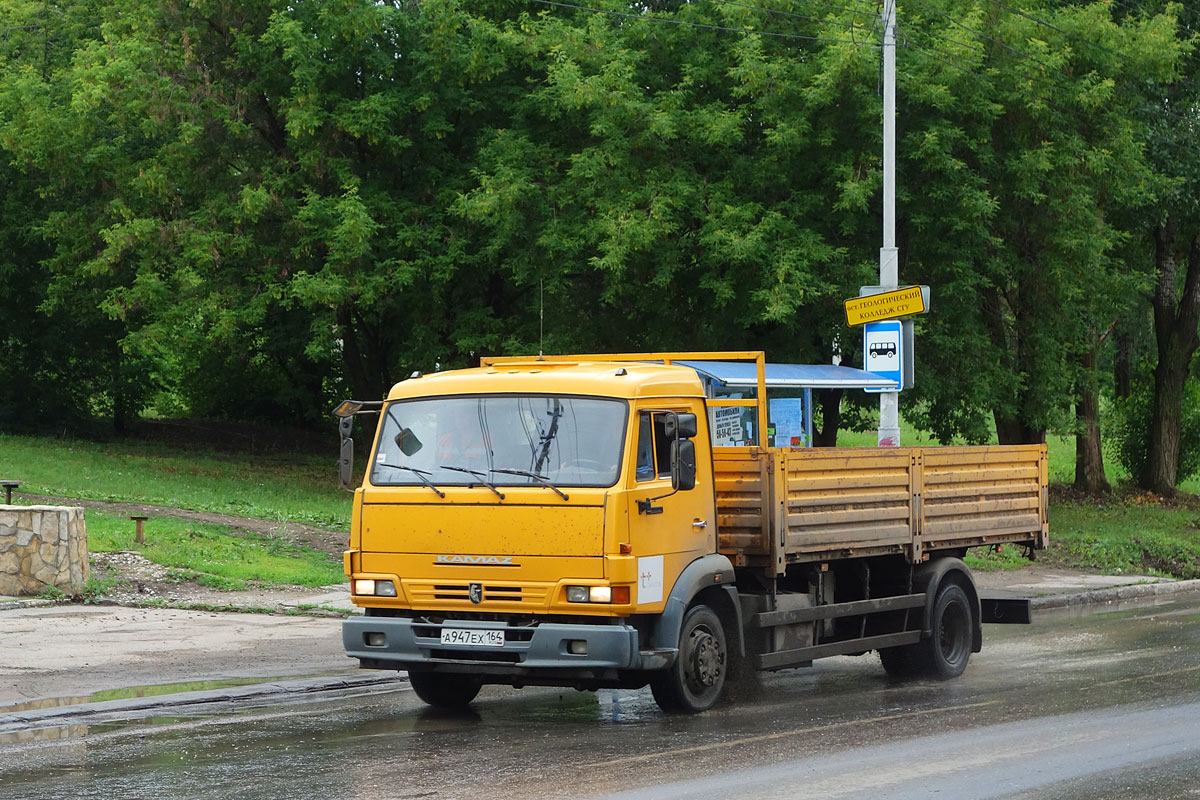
(214, 555)
(1120, 534)
(294, 487)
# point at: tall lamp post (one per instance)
(889, 402)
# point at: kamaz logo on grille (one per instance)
(475, 593)
(493, 561)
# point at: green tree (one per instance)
(1174, 125)
(257, 194)
(1030, 148)
(64, 361)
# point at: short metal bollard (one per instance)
(8, 487)
(139, 536)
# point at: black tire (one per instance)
(900, 662)
(948, 649)
(694, 682)
(445, 690)
(945, 653)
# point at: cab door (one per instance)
(668, 529)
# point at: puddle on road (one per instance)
(44, 734)
(67, 727)
(44, 702)
(155, 690)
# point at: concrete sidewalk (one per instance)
(61, 662)
(1049, 588)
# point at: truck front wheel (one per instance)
(694, 682)
(445, 690)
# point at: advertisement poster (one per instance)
(787, 416)
(726, 426)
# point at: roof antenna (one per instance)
(541, 317)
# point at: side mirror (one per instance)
(408, 442)
(680, 426)
(345, 426)
(683, 463)
(346, 462)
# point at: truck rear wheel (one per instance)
(694, 682)
(949, 648)
(944, 654)
(445, 690)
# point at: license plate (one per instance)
(472, 638)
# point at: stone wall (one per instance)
(42, 546)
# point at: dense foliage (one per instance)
(1129, 430)
(251, 209)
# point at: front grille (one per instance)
(426, 594)
(457, 592)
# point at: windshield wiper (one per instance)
(548, 437)
(477, 474)
(420, 473)
(539, 478)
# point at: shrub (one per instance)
(1128, 434)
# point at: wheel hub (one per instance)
(707, 658)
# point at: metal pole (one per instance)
(889, 406)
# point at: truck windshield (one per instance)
(490, 439)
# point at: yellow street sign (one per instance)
(888, 305)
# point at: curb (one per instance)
(1115, 594)
(83, 713)
(282, 609)
(11, 605)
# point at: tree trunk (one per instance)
(1011, 430)
(1122, 363)
(831, 417)
(352, 357)
(1089, 459)
(1175, 334)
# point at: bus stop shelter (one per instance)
(789, 397)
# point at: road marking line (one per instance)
(1151, 675)
(766, 737)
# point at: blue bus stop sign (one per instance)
(883, 344)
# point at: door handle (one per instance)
(700, 523)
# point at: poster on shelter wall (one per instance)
(726, 425)
(787, 418)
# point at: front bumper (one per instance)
(528, 649)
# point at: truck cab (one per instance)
(527, 523)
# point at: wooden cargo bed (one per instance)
(779, 506)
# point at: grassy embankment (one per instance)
(1127, 532)
(285, 487)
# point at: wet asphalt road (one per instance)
(1097, 705)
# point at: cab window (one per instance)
(654, 448)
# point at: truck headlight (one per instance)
(598, 594)
(373, 587)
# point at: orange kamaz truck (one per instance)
(658, 518)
